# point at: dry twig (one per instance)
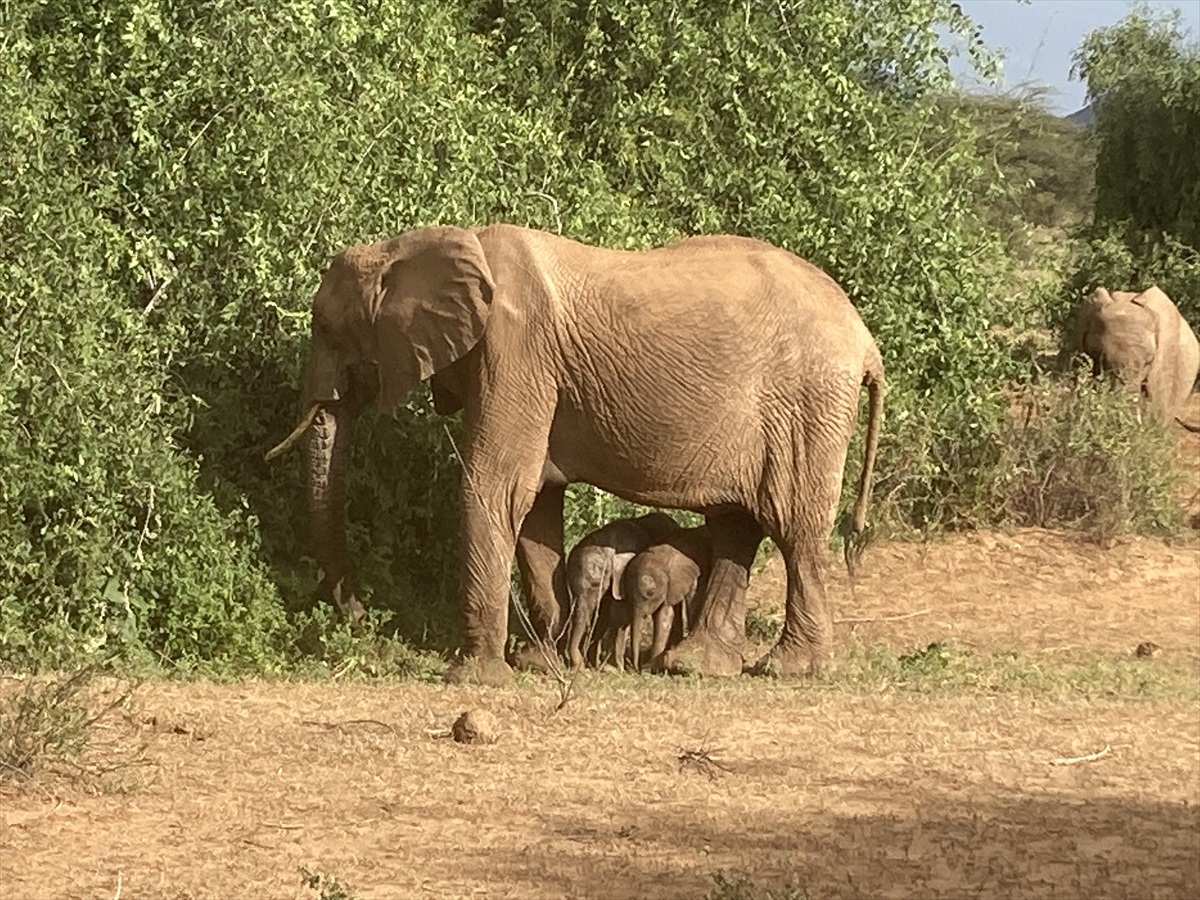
(858, 620)
(1091, 757)
(332, 725)
(703, 761)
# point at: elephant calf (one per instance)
(595, 567)
(1140, 340)
(662, 577)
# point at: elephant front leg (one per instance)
(664, 617)
(489, 529)
(543, 576)
(714, 646)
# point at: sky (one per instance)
(1038, 38)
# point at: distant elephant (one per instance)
(1140, 340)
(667, 576)
(716, 374)
(595, 566)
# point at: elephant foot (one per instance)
(701, 654)
(492, 671)
(532, 658)
(792, 661)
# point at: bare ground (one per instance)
(836, 793)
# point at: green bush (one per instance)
(1120, 257)
(178, 175)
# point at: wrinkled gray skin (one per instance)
(1141, 341)
(595, 566)
(666, 577)
(718, 374)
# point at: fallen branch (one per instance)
(284, 825)
(858, 620)
(1091, 757)
(332, 725)
(703, 760)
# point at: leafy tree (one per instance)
(176, 175)
(1143, 77)
(1038, 167)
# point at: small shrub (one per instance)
(933, 658)
(1078, 457)
(732, 885)
(326, 885)
(44, 728)
(328, 645)
(936, 468)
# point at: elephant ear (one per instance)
(620, 561)
(431, 307)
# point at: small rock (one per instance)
(1147, 650)
(475, 726)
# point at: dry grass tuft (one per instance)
(47, 725)
(327, 886)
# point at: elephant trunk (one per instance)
(326, 452)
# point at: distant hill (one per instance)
(1083, 116)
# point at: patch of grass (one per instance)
(45, 726)
(735, 885)
(946, 667)
(326, 885)
(330, 647)
(763, 627)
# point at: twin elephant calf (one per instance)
(626, 571)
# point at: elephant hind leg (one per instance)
(714, 646)
(800, 525)
(806, 644)
(540, 562)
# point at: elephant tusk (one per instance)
(286, 444)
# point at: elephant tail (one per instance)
(856, 539)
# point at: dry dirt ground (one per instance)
(825, 790)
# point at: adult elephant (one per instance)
(1141, 341)
(717, 374)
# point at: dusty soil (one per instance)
(835, 792)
